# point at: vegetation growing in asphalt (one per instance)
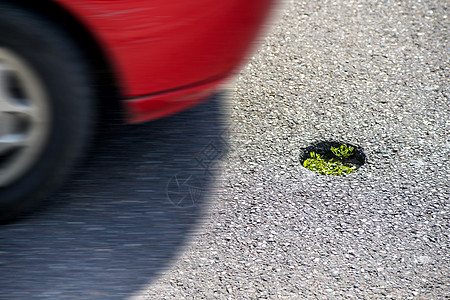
(334, 166)
(343, 151)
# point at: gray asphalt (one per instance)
(371, 73)
(214, 203)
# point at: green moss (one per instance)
(332, 166)
(343, 151)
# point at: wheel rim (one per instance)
(24, 117)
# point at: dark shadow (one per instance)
(123, 217)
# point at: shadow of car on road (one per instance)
(123, 217)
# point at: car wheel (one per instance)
(45, 108)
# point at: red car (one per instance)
(61, 60)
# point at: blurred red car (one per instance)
(62, 59)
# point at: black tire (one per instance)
(63, 76)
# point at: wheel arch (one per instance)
(105, 81)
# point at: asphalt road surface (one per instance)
(214, 203)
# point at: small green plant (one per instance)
(320, 165)
(343, 151)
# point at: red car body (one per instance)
(62, 61)
(169, 55)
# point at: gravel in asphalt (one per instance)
(371, 73)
